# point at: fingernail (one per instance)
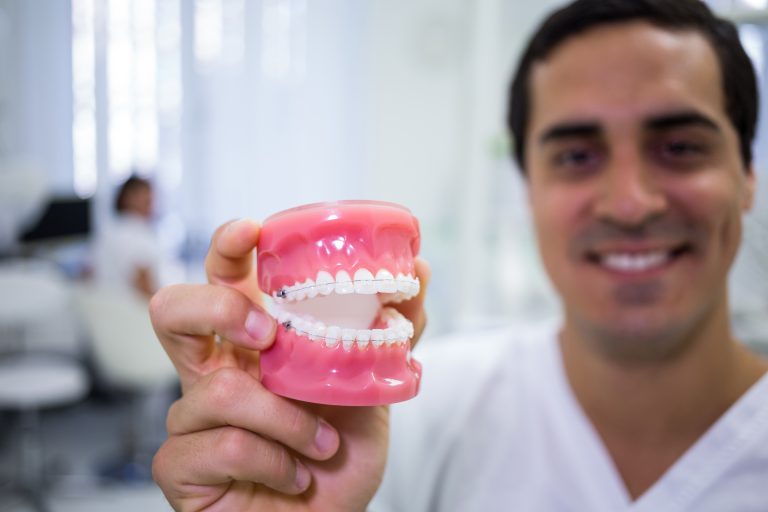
(303, 476)
(258, 325)
(325, 438)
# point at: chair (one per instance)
(128, 357)
(35, 373)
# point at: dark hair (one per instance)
(131, 184)
(738, 76)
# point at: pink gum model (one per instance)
(330, 268)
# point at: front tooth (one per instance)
(317, 331)
(332, 336)
(377, 337)
(364, 282)
(325, 283)
(344, 284)
(634, 263)
(385, 281)
(363, 336)
(348, 338)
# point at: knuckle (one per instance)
(232, 444)
(225, 387)
(227, 304)
(158, 304)
(172, 418)
(160, 464)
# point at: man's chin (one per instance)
(637, 340)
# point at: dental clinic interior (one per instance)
(224, 109)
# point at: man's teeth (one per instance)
(402, 287)
(626, 262)
(398, 330)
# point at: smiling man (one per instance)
(633, 122)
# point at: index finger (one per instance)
(230, 257)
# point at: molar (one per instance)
(309, 285)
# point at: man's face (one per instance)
(636, 185)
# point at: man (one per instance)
(633, 121)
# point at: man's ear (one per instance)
(749, 189)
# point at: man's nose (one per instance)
(629, 194)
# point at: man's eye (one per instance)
(575, 159)
(681, 150)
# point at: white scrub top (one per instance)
(497, 427)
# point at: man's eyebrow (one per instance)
(680, 119)
(570, 129)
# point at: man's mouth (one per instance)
(636, 261)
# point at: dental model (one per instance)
(331, 269)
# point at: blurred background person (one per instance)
(127, 252)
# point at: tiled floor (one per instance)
(79, 444)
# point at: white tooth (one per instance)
(390, 336)
(377, 337)
(325, 283)
(385, 281)
(344, 285)
(283, 316)
(348, 338)
(403, 284)
(317, 331)
(402, 332)
(297, 292)
(410, 330)
(634, 262)
(310, 287)
(277, 299)
(364, 282)
(413, 289)
(302, 326)
(332, 336)
(363, 336)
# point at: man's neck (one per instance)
(648, 414)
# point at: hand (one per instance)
(234, 445)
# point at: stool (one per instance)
(29, 383)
